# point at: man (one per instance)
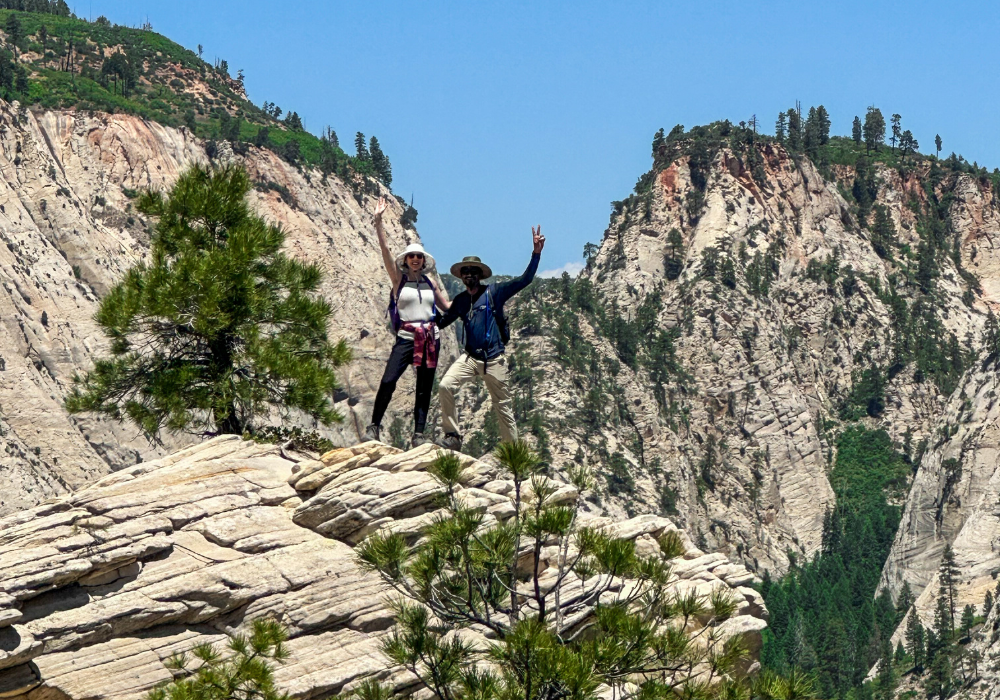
(481, 310)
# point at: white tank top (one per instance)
(415, 304)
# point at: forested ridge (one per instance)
(53, 60)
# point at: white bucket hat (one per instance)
(415, 248)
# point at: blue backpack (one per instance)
(393, 310)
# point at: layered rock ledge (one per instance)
(99, 588)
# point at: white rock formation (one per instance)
(69, 231)
(767, 372)
(99, 588)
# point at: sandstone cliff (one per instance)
(741, 447)
(69, 232)
(100, 587)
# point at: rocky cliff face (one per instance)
(752, 261)
(99, 588)
(770, 342)
(69, 232)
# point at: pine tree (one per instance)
(219, 327)
(968, 620)
(330, 136)
(886, 678)
(864, 189)
(896, 131)
(811, 134)
(937, 144)
(21, 79)
(926, 267)
(907, 143)
(262, 138)
(938, 684)
(874, 129)
(794, 130)
(915, 640)
(780, 127)
(900, 656)
(293, 121)
(948, 574)
(836, 660)
(361, 150)
(243, 674)
(14, 32)
(823, 125)
(465, 572)
(673, 259)
(43, 38)
(383, 169)
(659, 142)
(856, 130)
(905, 598)
(987, 603)
(944, 623)
(883, 239)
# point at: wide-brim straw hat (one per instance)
(415, 248)
(471, 261)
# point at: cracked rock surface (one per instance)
(100, 587)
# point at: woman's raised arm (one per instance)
(390, 263)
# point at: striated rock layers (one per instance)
(953, 501)
(69, 231)
(99, 588)
(739, 449)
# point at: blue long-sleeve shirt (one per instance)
(483, 340)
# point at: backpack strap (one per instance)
(499, 317)
(434, 306)
(393, 311)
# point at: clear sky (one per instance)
(500, 115)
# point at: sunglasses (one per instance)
(470, 271)
(418, 256)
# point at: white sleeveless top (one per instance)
(415, 304)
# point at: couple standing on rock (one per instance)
(419, 310)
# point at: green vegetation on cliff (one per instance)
(825, 617)
(54, 60)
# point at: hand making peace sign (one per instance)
(537, 238)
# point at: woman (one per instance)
(413, 305)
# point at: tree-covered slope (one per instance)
(53, 60)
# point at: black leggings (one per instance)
(400, 358)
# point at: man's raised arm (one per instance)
(505, 290)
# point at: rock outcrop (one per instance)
(979, 673)
(99, 588)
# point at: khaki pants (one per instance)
(465, 369)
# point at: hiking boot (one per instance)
(419, 439)
(371, 433)
(450, 441)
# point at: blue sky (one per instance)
(498, 116)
